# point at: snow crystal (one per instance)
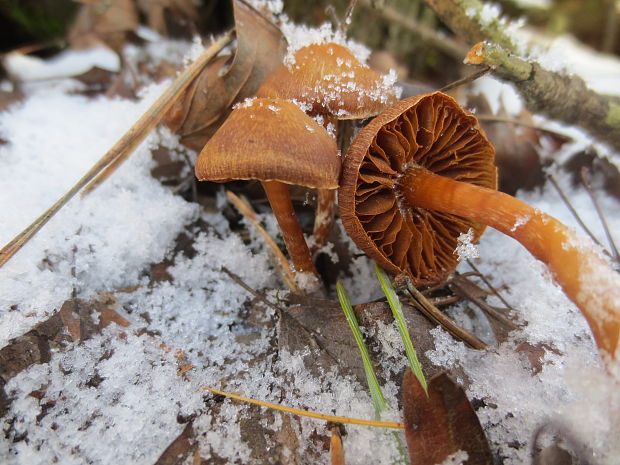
(457, 458)
(299, 36)
(465, 249)
(65, 64)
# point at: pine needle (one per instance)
(306, 413)
(399, 317)
(378, 400)
(375, 390)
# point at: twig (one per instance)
(501, 119)
(464, 17)
(130, 140)
(281, 262)
(561, 97)
(438, 317)
(570, 207)
(237, 279)
(611, 27)
(467, 79)
(443, 43)
(586, 183)
(488, 284)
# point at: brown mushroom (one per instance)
(332, 81)
(333, 84)
(422, 172)
(273, 141)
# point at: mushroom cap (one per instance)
(271, 140)
(430, 131)
(330, 79)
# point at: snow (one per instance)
(68, 63)
(121, 397)
(465, 249)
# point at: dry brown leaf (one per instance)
(207, 102)
(179, 449)
(159, 12)
(442, 423)
(104, 22)
(516, 147)
(77, 316)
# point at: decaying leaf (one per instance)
(83, 319)
(159, 13)
(207, 102)
(31, 348)
(516, 147)
(441, 424)
(180, 449)
(104, 22)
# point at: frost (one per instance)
(299, 36)
(457, 458)
(521, 221)
(69, 63)
(465, 249)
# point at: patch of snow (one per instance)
(68, 63)
(458, 458)
(465, 249)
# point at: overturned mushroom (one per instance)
(273, 141)
(333, 84)
(422, 172)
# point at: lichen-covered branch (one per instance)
(470, 20)
(558, 96)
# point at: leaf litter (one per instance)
(94, 399)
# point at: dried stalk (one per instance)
(280, 261)
(432, 312)
(123, 148)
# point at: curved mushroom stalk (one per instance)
(279, 197)
(584, 274)
(422, 173)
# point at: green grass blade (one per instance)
(399, 317)
(378, 400)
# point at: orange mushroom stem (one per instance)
(585, 275)
(279, 197)
(273, 141)
(421, 173)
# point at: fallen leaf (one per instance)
(83, 318)
(103, 22)
(160, 13)
(208, 101)
(442, 423)
(516, 147)
(179, 449)
(31, 348)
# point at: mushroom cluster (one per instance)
(421, 173)
(269, 138)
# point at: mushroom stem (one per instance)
(280, 199)
(324, 219)
(585, 275)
